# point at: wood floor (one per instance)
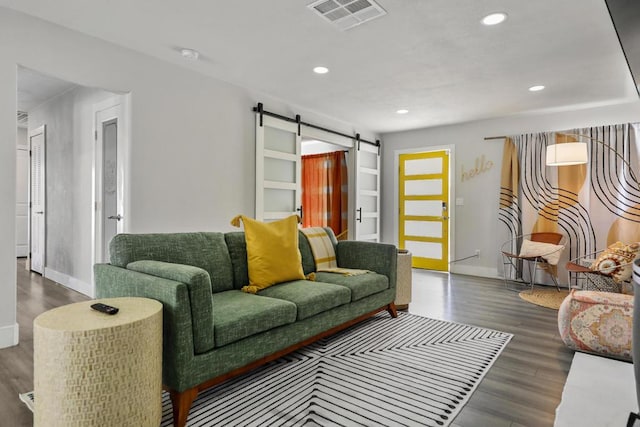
(522, 388)
(35, 295)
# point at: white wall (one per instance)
(476, 221)
(69, 155)
(192, 138)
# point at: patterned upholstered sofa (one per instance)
(212, 330)
(597, 322)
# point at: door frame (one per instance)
(309, 133)
(451, 208)
(27, 150)
(124, 136)
(31, 133)
(348, 145)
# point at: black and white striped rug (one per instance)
(409, 371)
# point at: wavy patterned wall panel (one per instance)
(594, 205)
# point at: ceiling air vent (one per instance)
(346, 14)
(22, 118)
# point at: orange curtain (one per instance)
(324, 191)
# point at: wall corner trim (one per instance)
(479, 271)
(9, 335)
(69, 282)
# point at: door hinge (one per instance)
(95, 135)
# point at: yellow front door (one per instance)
(424, 208)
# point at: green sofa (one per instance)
(212, 330)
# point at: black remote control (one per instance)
(104, 308)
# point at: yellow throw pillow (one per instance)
(272, 251)
(615, 261)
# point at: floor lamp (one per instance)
(575, 153)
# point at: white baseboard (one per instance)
(471, 270)
(69, 282)
(9, 335)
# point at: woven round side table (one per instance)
(95, 369)
(403, 286)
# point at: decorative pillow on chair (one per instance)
(550, 252)
(616, 261)
(272, 251)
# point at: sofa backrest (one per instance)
(204, 250)
(238, 253)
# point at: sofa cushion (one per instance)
(238, 254)
(272, 251)
(207, 251)
(308, 263)
(237, 315)
(361, 285)
(309, 297)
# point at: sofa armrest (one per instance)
(177, 342)
(380, 258)
(200, 296)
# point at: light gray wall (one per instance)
(69, 154)
(192, 156)
(476, 221)
(21, 137)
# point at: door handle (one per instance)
(300, 210)
(39, 212)
(359, 219)
(116, 217)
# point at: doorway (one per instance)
(62, 119)
(278, 172)
(424, 212)
(325, 186)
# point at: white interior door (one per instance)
(22, 201)
(367, 219)
(278, 169)
(37, 233)
(109, 177)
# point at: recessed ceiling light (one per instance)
(494, 18)
(321, 70)
(536, 88)
(190, 54)
(402, 111)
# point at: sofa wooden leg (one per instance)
(181, 402)
(391, 308)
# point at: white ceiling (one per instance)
(432, 57)
(34, 88)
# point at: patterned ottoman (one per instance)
(597, 322)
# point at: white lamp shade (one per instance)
(567, 154)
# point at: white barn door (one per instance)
(367, 215)
(278, 169)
